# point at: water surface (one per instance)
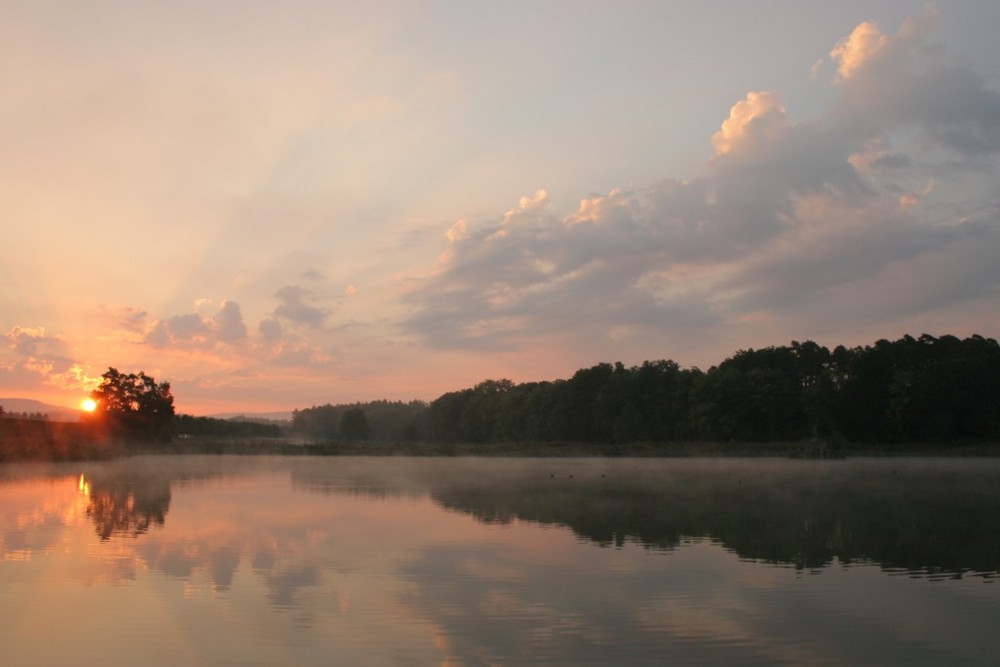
(366, 561)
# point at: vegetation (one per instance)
(40, 439)
(800, 398)
(354, 425)
(383, 421)
(915, 391)
(130, 408)
(37, 416)
(134, 406)
(189, 426)
(924, 390)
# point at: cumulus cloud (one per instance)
(790, 216)
(194, 330)
(219, 338)
(229, 323)
(889, 81)
(761, 114)
(294, 308)
(284, 348)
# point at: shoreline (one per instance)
(801, 450)
(55, 441)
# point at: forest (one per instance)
(941, 390)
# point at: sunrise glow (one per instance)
(88, 405)
(386, 205)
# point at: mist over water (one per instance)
(294, 560)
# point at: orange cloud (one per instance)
(858, 47)
(758, 112)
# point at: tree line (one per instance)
(937, 390)
(385, 421)
(913, 390)
(191, 426)
(34, 416)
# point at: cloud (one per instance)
(759, 115)
(269, 330)
(28, 341)
(193, 330)
(890, 81)
(32, 357)
(213, 352)
(791, 217)
(187, 328)
(860, 47)
(294, 308)
(229, 323)
(132, 320)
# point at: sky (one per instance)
(279, 205)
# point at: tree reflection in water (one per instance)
(933, 517)
(126, 504)
(929, 517)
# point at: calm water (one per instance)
(355, 561)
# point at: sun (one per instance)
(88, 405)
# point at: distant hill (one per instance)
(254, 416)
(56, 413)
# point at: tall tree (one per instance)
(135, 406)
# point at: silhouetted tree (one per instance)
(134, 406)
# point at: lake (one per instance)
(191, 560)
